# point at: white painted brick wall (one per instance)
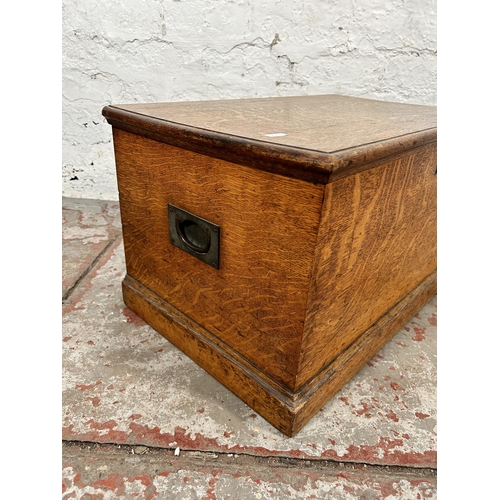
(117, 51)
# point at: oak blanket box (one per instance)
(278, 242)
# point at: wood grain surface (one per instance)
(377, 241)
(306, 137)
(324, 123)
(212, 355)
(256, 302)
(312, 397)
(288, 412)
(327, 215)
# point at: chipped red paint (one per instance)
(419, 333)
(95, 401)
(357, 483)
(141, 434)
(421, 415)
(113, 482)
(391, 456)
(432, 320)
(313, 475)
(364, 410)
(348, 488)
(396, 387)
(132, 317)
(210, 493)
(387, 488)
(146, 436)
(94, 435)
(81, 290)
(116, 483)
(88, 387)
(93, 250)
(392, 416)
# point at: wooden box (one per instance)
(279, 242)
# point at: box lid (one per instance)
(315, 138)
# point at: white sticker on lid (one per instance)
(277, 134)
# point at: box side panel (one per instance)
(256, 301)
(376, 242)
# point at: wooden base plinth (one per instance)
(287, 411)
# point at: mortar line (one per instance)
(89, 268)
(291, 462)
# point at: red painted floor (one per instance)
(124, 384)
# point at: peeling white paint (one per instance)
(173, 50)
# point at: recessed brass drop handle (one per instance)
(196, 236)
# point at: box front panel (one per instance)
(256, 301)
(377, 241)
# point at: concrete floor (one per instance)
(141, 420)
